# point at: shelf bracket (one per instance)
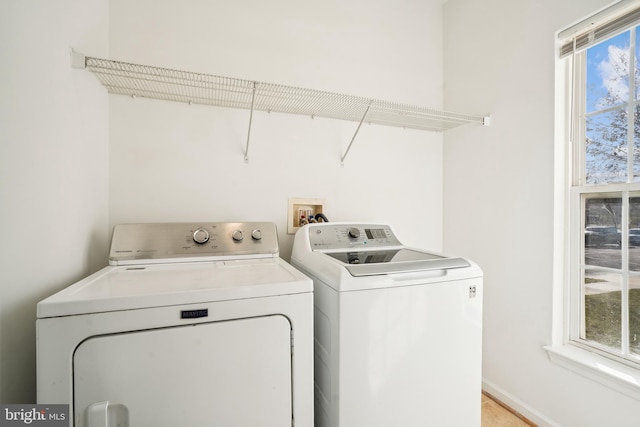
(364, 117)
(253, 98)
(78, 60)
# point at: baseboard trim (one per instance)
(517, 406)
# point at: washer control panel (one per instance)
(329, 236)
(216, 240)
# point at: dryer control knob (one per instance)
(201, 236)
(354, 233)
(237, 235)
(256, 234)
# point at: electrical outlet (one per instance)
(299, 211)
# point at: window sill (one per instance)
(617, 376)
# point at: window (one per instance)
(604, 189)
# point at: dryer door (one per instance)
(229, 373)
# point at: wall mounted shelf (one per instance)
(196, 88)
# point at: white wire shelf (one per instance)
(196, 88)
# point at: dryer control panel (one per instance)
(155, 242)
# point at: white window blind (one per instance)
(599, 26)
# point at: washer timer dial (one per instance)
(354, 233)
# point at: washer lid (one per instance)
(394, 260)
(143, 286)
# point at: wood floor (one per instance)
(496, 415)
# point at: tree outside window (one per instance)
(609, 126)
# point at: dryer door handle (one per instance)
(100, 414)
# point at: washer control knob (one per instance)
(354, 233)
(201, 236)
(237, 235)
(256, 234)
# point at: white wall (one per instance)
(498, 204)
(64, 181)
(175, 162)
(53, 169)
(171, 162)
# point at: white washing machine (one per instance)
(190, 325)
(398, 331)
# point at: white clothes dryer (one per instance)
(398, 331)
(190, 325)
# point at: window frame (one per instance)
(565, 350)
(579, 190)
(578, 266)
